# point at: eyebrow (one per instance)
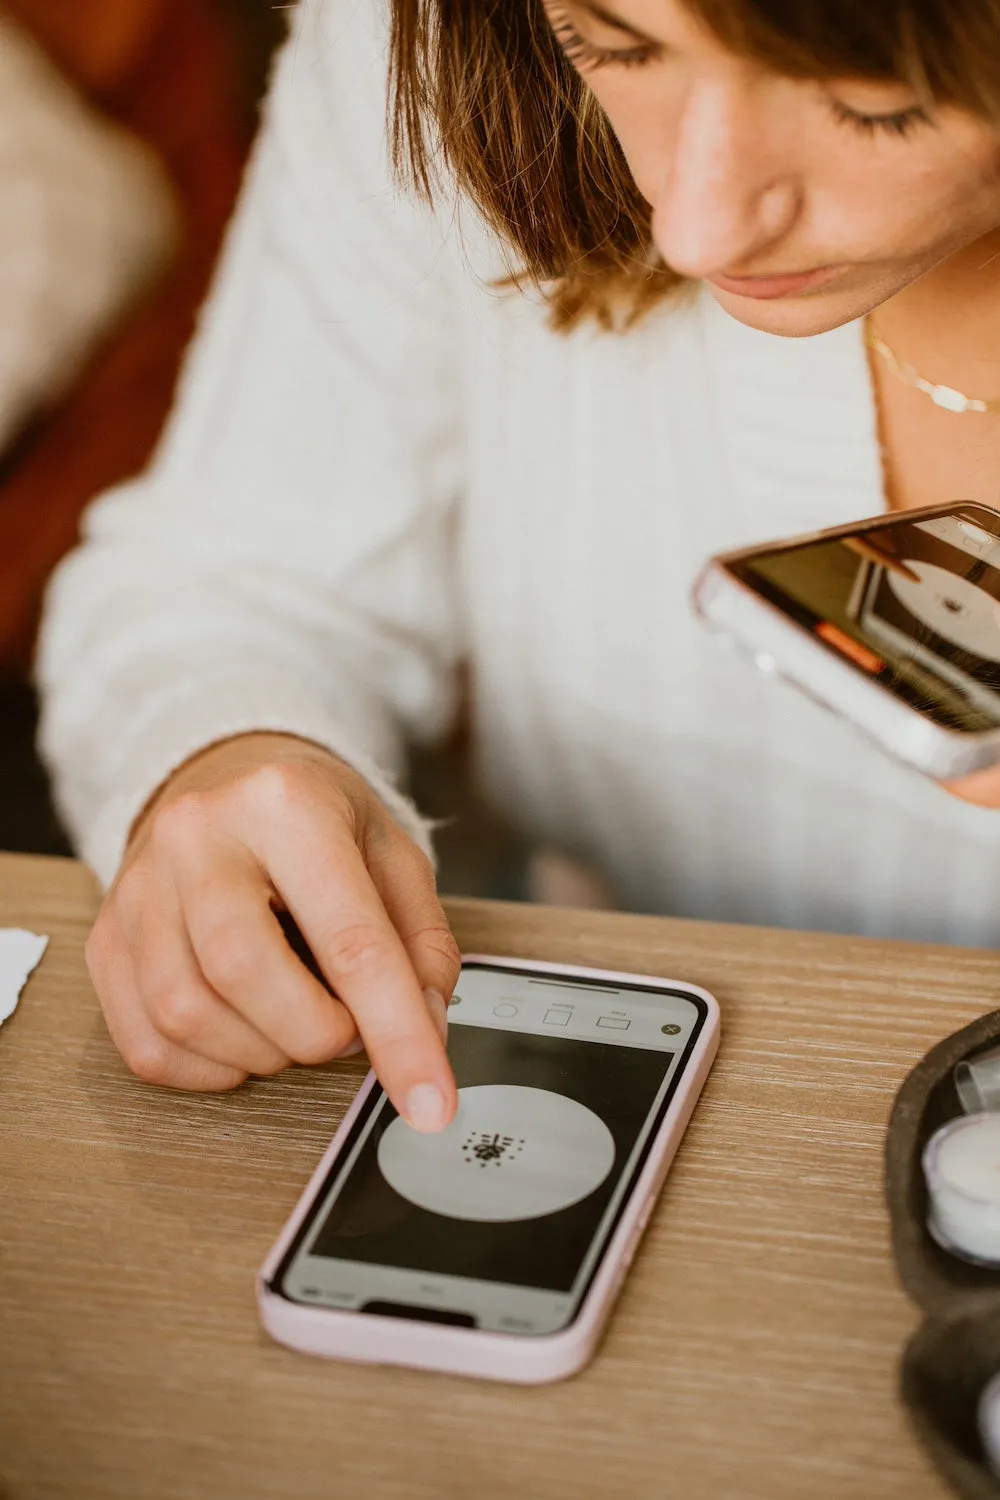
(608, 17)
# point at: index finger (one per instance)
(328, 890)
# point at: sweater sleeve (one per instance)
(286, 562)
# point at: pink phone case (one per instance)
(469, 1351)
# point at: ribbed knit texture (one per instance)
(381, 465)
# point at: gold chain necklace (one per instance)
(942, 395)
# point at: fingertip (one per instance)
(428, 1109)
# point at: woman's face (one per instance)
(802, 204)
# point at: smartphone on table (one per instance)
(496, 1247)
(892, 622)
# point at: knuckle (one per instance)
(148, 1058)
(99, 942)
(439, 946)
(414, 875)
(284, 791)
(355, 949)
(384, 837)
(343, 806)
(131, 894)
(220, 1082)
(226, 956)
(347, 786)
(268, 1067)
(178, 824)
(176, 1012)
(423, 866)
(326, 1043)
(124, 902)
(421, 871)
(276, 788)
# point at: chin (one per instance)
(798, 317)
(805, 315)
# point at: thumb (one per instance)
(980, 787)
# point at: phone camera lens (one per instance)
(671, 1029)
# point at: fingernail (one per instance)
(353, 1048)
(425, 1108)
(438, 1008)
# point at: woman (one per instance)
(387, 459)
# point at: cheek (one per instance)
(901, 207)
(644, 128)
(949, 219)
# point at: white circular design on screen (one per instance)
(956, 609)
(510, 1153)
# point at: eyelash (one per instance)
(584, 54)
(901, 124)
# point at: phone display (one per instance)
(500, 1222)
(913, 603)
(893, 622)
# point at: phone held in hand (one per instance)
(497, 1247)
(893, 623)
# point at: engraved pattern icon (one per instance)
(554, 1151)
(490, 1150)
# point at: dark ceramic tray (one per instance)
(957, 1349)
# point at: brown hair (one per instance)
(483, 88)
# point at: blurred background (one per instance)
(124, 129)
(124, 126)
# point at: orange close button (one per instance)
(852, 649)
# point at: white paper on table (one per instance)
(20, 953)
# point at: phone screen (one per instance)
(499, 1221)
(913, 603)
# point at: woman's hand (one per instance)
(981, 787)
(197, 981)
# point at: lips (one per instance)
(766, 288)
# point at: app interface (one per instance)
(913, 604)
(559, 1091)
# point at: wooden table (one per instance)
(754, 1349)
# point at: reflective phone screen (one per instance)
(914, 604)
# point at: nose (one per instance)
(729, 193)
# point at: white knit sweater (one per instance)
(380, 466)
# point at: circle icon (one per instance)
(510, 1153)
(671, 1029)
(505, 1010)
(959, 611)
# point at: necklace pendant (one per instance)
(944, 396)
(952, 400)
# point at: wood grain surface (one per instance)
(754, 1350)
